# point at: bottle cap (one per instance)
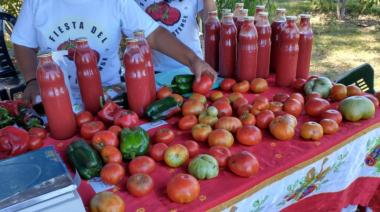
(214, 12)
(260, 7)
(239, 4)
(249, 18)
(244, 11)
(224, 11)
(44, 54)
(305, 16)
(280, 10)
(265, 14)
(291, 18)
(228, 15)
(138, 32)
(132, 40)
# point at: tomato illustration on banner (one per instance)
(164, 13)
(373, 156)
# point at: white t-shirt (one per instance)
(52, 24)
(179, 17)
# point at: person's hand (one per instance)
(31, 92)
(199, 67)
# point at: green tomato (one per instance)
(321, 85)
(212, 111)
(204, 166)
(355, 108)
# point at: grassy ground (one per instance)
(341, 46)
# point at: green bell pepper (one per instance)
(133, 142)
(182, 84)
(84, 159)
(163, 108)
(6, 118)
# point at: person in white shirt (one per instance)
(180, 18)
(50, 25)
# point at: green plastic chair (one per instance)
(362, 76)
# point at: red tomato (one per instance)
(239, 102)
(192, 107)
(280, 97)
(176, 155)
(215, 95)
(224, 108)
(332, 114)
(243, 164)
(187, 122)
(249, 135)
(313, 95)
(316, 106)
(192, 147)
(293, 107)
(298, 97)
(126, 118)
(247, 119)
(183, 188)
(83, 117)
(221, 154)
(164, 135)
(104, 138)
(243, 109)
(299, 83)
(220, 137)
(229, 123)
(234, 96)
(111, 154)
(200, 132)
(112, 173)
(178, 98)
(227, 84)
(140, 184)
(259, 85)
(88, 130)
(142, 164)
(338, 92)
(353, 90)
(198, 97)
(157, 151)
(260, 104)
(115, 129)
(35, 142)
(204, 85)
(329, 126)
(374, 100)
(241, 87)
(264, 118)
(39, 132)
(164, 92)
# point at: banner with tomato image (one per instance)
(334, 172)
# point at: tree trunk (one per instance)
(341, 9)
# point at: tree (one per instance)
(341, 9)
(11, 6)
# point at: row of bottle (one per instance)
(139, 77)
(252, 47)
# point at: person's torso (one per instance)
(59, 23)
(179, 18)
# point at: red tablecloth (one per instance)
(277, 159)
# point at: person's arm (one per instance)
(27, 64)
(208, 5)
(163, 41)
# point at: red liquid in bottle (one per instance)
(247, 51)
(264, 45)
(288, 55)
(240, 19)
(88, 75)
(55, 98)
(146, 51)
(212, 33)
(259, 9)
(137, 78)
(305, 45)
(227, 46)
(277, 25)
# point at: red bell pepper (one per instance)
(126, 118)
(107, 113)
(13, 141)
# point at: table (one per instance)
(296, 175)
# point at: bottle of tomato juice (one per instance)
(55, 98)
(277, 25)
(227, 46)
(305, 46)
(212, 34)
(264, 44)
